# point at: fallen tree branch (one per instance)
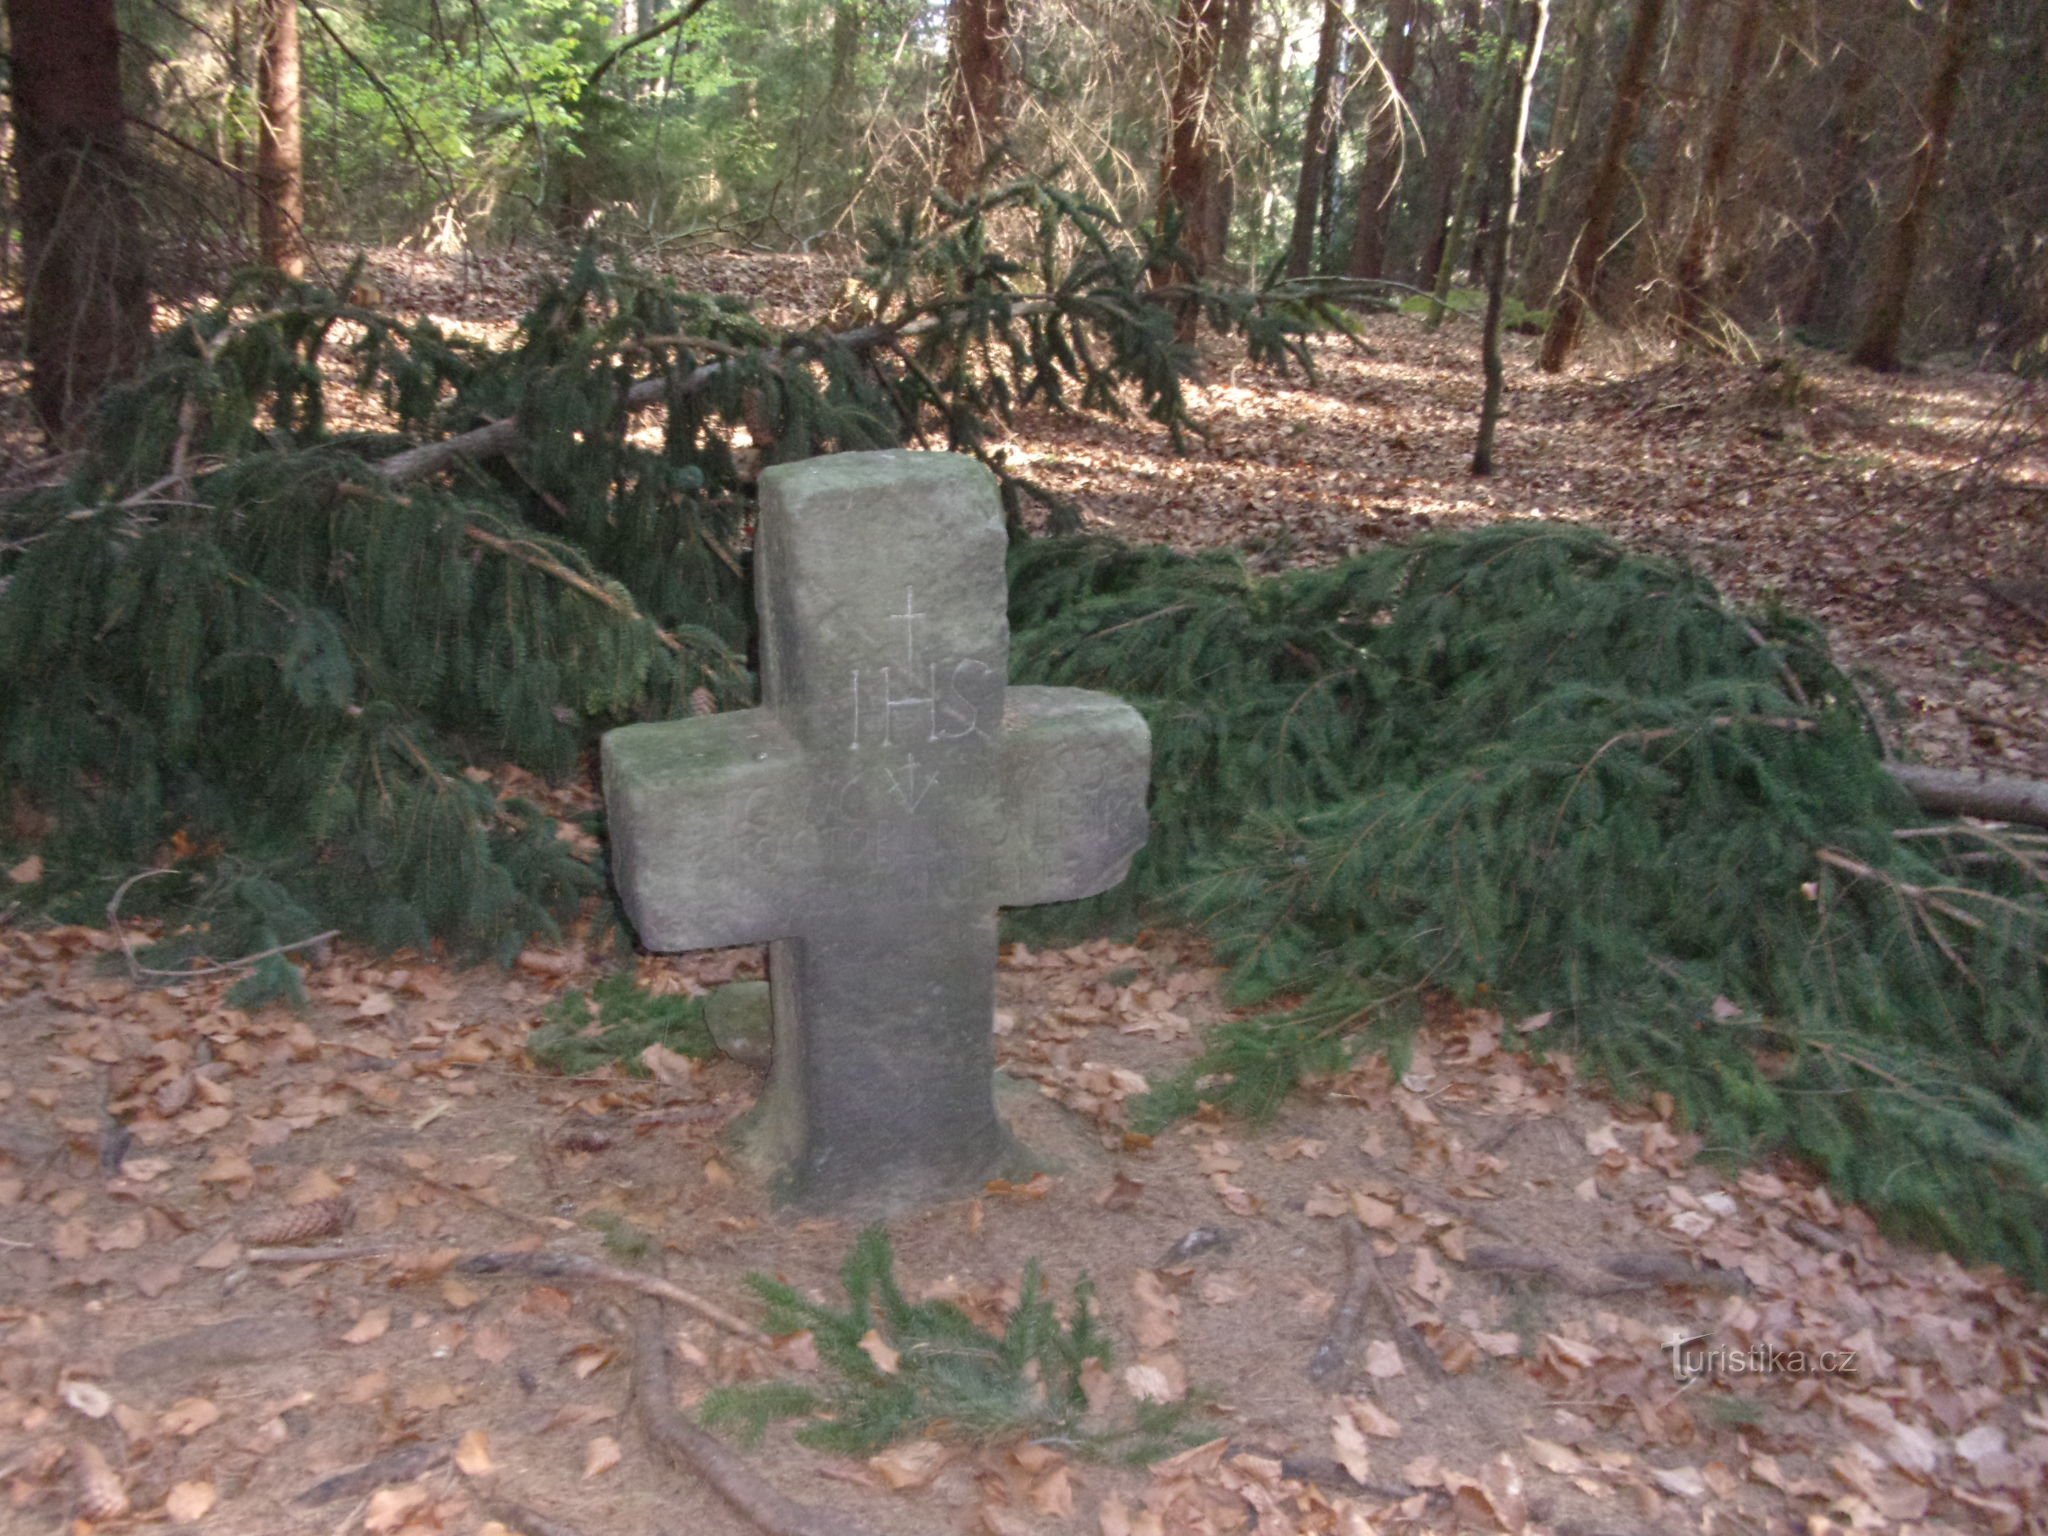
(547, 565)
(684, 1446)
(571, 1266)
(137, 970)
(1974, 792)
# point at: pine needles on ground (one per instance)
(899, 1368)
(1519, 765)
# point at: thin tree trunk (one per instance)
(1187, 174)
(1445, 168)
(1564, 130)
(1473, 162)
(1878, 345)
(1562, 335)
(85, 287)
(1233, 64)
(1509, 180)
(1694, 292)
(1316, 138)
(280, 153)
(1383, 141)
(980, 96)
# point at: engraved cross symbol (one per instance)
(876, 881)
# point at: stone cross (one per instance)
(869, 818)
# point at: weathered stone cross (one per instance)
(870, 817)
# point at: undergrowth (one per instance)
(1522, 767)
(898, 1369)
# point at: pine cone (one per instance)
(100, 1494)
(301, 1224)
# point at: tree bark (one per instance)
(1316, 138)
(1187, 175)
(981, 93)
(85, 286)
(1878, 344)
(1509, 181)
(280, 154)
(1562, 335)
(1694, 289)
(1383, 142)
(1233, 64)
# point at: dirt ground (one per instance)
(1534, 1245)
(1537, 1248)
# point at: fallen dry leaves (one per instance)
(150, 1140)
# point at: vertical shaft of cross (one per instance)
(870, 817)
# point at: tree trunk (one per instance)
(1444, 168)
(1233, 63)
(1508, 180)
(1674, 123)
(1878, 345)
(1383, 142)
(1473, 160)
(1580, 45)
(980, 97)
(1316, 138)
(1819, 303)
(1562, 335)
(86, 291)
(1694, 292)
(280, 156)
(1187, 175)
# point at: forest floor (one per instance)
(1515, 1248)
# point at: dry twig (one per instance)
(570, 1266)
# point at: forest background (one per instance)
(1783, 167)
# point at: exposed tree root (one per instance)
(1364, 1282)
(690, 1449)
(1609, 1276)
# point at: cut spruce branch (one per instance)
(502, 436)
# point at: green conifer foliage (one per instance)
(1523, 767)
(239, 635)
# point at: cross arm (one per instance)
(707, 829)
(1075, 766)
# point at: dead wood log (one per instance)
(1974, 792)
(696, 1451)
